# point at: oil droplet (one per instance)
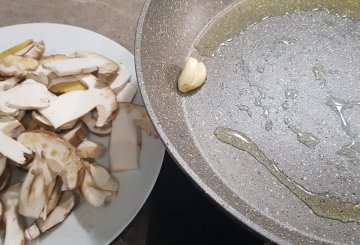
(352, 151)
(286, 40)
(291, 94)
(246, 109)
(268, 124)
(305, 138)
(319, 72)
(322, 204)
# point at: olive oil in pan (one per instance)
(245, 13)
(349, 151)
(246, 109)
(322, 204)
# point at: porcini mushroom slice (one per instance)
(76, 135)
(125, 141)
(90, 122)
(34, 190)
(40, 119)
(43, 75)
(121, 79)
(61, 157)
(14, 231)
(9, 147)
(89, 149)
(28, 95)
(8, 83)
(60, 212)
(127, 93)
(76, 66)
(53, 199)
(20, 114)
(108, 66)
(36, 51)
(103, 179)
(92, 193)
(32, 232)
(2, 163)
(77, 103)
(14, 65)
(58, 215)
(45, 123)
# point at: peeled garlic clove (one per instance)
(192, 76)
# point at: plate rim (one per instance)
(133, 79)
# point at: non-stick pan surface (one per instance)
(284, 75)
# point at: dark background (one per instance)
(180, 213)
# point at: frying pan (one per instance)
(283, 74)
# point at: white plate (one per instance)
(87, 225)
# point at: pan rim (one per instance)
(240, 217)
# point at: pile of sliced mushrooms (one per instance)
(49, 104)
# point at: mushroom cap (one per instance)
(60, 155)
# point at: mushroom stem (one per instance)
(58, 215)
(14, 231)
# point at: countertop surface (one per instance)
(176, 211)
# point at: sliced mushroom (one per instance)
(82, 65)
(43, 122)
(41, 119)
(28, 95)
(98, 187)
(34, 191)
(53, 199)
(20, 114)
(103, 179)
(61, 157)
(77, 103)
(76, 135)
(58, 215)
(2, 163)
(10, 148)
(121, 80)
(14, 231)
(89, 149)
(9, 83)
(108, 69)
(43, 75)
(19, 66)
(36, 51)
(127, 93)
(125, 141)
(60, 212)
(90, 123)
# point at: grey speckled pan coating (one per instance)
(283, 69)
